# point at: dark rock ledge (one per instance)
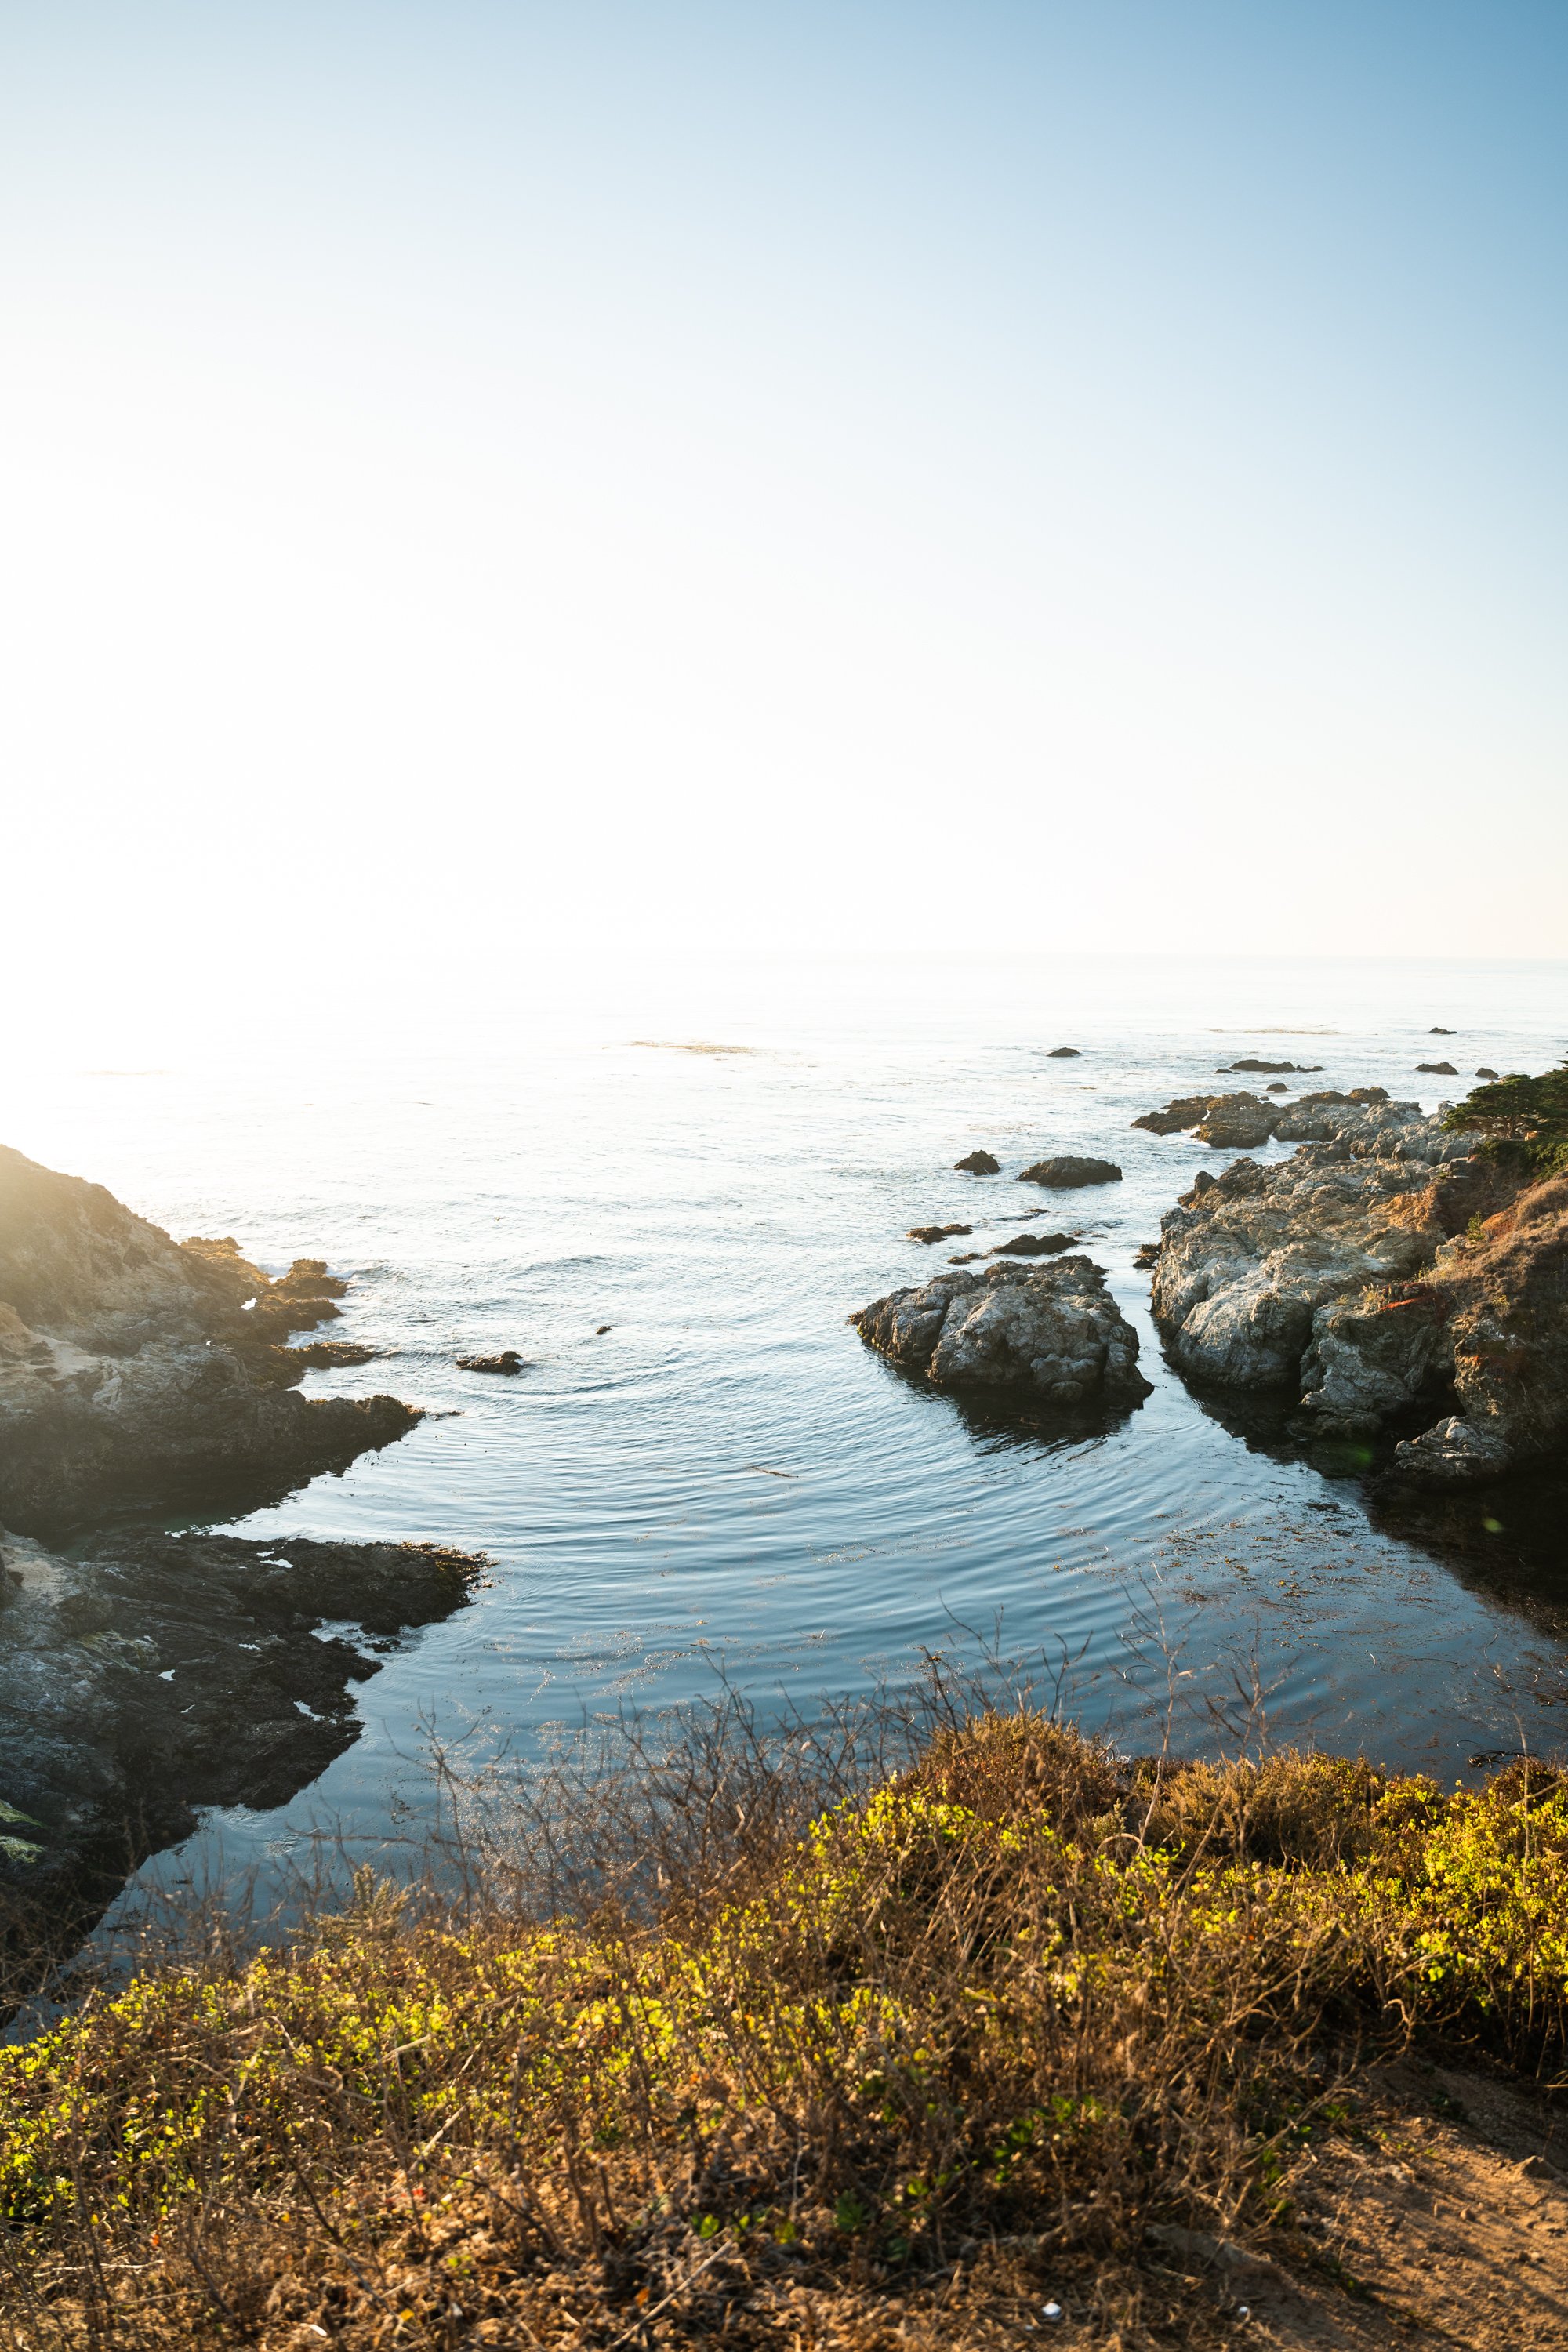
(146, 1676)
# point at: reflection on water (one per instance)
(726, 1479)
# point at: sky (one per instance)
(487, 488)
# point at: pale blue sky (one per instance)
(744, 472)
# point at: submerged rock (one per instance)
(148, 1676)
(1067, 1171)
(134, 1367)
(978, 1164)
(1053, 1330)
(336, 1355)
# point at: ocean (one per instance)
(720, 1163)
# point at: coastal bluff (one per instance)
(135, 1368)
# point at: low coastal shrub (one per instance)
(1522, 1123)
(1017, 2003)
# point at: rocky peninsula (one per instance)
(136, 1368)
(1398, 1269)
(144, 1674)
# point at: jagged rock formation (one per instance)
(978, 1164)
(150, 1674)
(1056, 1332)
(1382, 1269)
(134, 1367)
(1241, 1122)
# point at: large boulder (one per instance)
(1069, 1171)
(134, 1368)
(1054, 1331)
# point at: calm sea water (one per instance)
(720, 1166)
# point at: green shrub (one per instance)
(1523, 1122)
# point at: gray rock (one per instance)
(1247, 1261)
(1054, 1331)
(1066, 1171)
(978, 1164)
(1453, 1453)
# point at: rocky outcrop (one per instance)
(147, 1676)
(977, 1163)
(928, 1233)
(1238, 1123)
(134, 1367)
(1034, 1246)
(1438, 1069)
(508, 1361)
(1064, 1053)
(1054, 1332)
(1383, 1269)
(1184, 1112)
(1067, 1170)
(1242, 1122)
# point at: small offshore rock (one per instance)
(966, 1258)
(1251, 1062)
(1064, 1053)
(978, 1164)
(1067, 1171)
(1442, 1032)
(1486, 1073)
(600, 1330)
(508, 1361)
(1438, 1069)
(1148, 1255)
(1034, 1246)
(335, 1355)
(1054, 1331)
(928, 1233)
(1276, 1088)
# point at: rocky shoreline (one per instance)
(144, 1674)
(1389, 1274)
